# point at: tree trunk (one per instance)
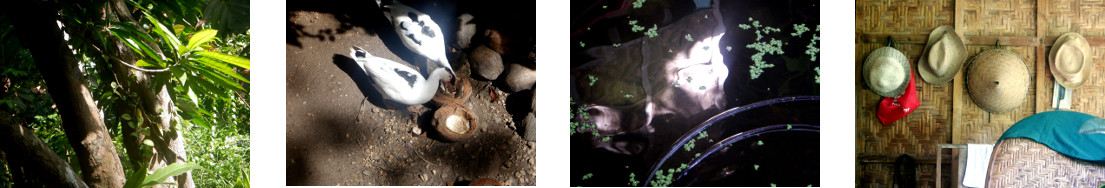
(155, 102)
(29, 157)
(81, 119)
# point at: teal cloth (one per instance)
(1059, 131)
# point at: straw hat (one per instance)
(943, 56)
(886, 72)
(998, 80)
(1070, 60)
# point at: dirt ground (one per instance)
(336, 137)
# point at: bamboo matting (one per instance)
(947, 113)
(1022, 162)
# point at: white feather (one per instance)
(398, 82)
(419, 33)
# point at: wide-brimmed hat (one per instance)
(1070, 60)
(886, 72)
(943, 56)
(998, 80)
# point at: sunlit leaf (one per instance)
(221, 67)
(143, 63)
(219, 79)
(200, 38)
(164, 32)
(177, 29)
(233, 60)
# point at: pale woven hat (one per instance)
(998, 80)
(886, 72)
(943, 56)
(1070, 60)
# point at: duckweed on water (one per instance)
(652, 32)
(774, 46)
(633, 179)
(581, 44)
(816, 78)
(588, 176)
(756, 167)
(689, 39)
(635, 27)
(617, 45)
(593, 79)
(638, 3)
(606, 139)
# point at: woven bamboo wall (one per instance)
(998, 18)
(947, 114)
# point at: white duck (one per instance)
(418, 32)
(398, 82)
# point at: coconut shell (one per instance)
(455, 123)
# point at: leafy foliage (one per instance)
(205, 58)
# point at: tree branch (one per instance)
(86, 131)
(37, 160)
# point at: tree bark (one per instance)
(155, 102)
(83, 126)
(29, 157)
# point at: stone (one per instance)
(530, 124)
(519, 77)
(465, 31)
(494, 40)
(416, 130)
(486, 62)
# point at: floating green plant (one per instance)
(760, 143)
(774, 46)
(588, 176)
(593, 79)
(701, 87)
(638, 3)
(817, 78)
(652, 32)
(635, 27)
(689, 145)
(633, 179)
(756, 167)
(628, 96)
(581, 44)
(617, 45)
(606, 139)
(689, 39)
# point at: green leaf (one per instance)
(219, 79)
(177, 29)
(221, 67)
(164, 32)
(201, 37)
(143, 63)
(168, 171)
(192, 94)
(233, 60)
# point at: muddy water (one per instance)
(786, 159)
